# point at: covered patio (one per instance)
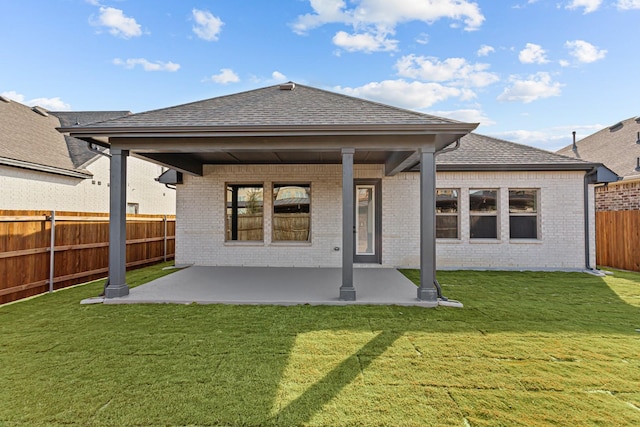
(273, 286)
(281, 126)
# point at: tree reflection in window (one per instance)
(291, 212)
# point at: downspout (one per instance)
(587, 246)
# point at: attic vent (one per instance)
(288, 86)
(616, 127)
(637, 119)
(40, 111)
(4, 99)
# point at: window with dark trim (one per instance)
(483, 214)
(244, 212)
(447, 213)
(291, 212)
(523, 214)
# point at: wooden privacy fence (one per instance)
(618, 239)
(45, 250)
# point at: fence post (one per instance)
(52, 250)
(165, 238)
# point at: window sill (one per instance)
(526, 241)
(244, 243)
(448, 241)
(291, 243)
(485, 241)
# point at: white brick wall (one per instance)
(200, 224)
(23, 189)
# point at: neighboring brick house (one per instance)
(365, 185)
(617, 203)
(40, 169)
(618, 148)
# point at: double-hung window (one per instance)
(447, 213)
(244, 212)
(523, 214)
(483, 214)
(291, 212)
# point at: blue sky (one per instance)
(530, 71)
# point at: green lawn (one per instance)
(528, 349)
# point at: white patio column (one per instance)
(347, 290)
(117, 285)
(427, 289)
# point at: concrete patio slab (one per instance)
(274, 286)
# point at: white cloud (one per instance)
(536, 86)
(412, 95)
(12, 94)
(628, 4)
(278, 76)
(147, 65)
(53, 104)
(585, 52)
(457, 71)
(522, 6)
(588, 5)
(485, 50)
(118, 23)
(208, 26)
(226, 76)
(423, 38)
(533, 54)
(364, 42)
(376, 19)
(468, 116)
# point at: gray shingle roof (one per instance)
(614, 146)
(77, 148)
(480, 152)
(270, 106)
(29, 138)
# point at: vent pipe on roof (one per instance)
(40, 111)
(638, 140)
(638, 164)
(287, 86)
(575, 147)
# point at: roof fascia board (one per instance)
(44, 168)
(259, 130)
(284, 143)
(516, 167)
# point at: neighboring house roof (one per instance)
(28, 139)
(77, 148)
(480, 152)
(615, 146)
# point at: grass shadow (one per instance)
(66, 364)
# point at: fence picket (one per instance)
(45, 250)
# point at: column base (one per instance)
(427, 294)
(347, 293)
(115, 291)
